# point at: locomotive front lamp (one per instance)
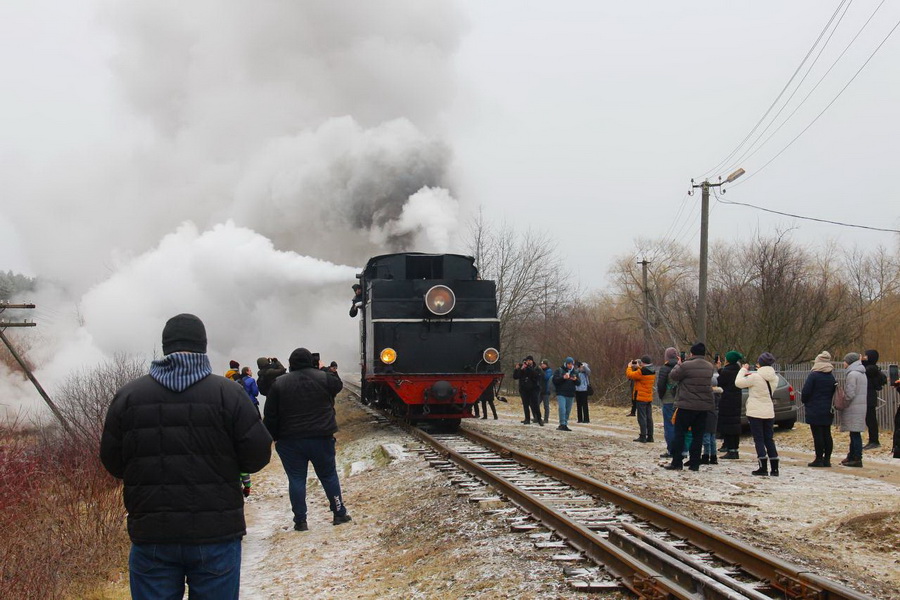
(491, 355)
(388, 356)
(440, 300)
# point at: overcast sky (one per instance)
(584, 118)
(149, 149)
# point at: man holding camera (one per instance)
(642, 374)
(529, 377)
(268, 369)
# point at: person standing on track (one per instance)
(179, 438)
(300, 415)
(529, 377)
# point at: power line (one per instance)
(815, 87)
(780, 94)
(778, 212)
(855, 75)
(749, 149)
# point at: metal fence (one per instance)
(888, 398)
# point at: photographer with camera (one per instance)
(641, 372)
(268, 369)
(529, 377)
(581, 391)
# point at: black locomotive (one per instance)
(429, 335)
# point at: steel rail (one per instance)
(655, 575)
(793, 580)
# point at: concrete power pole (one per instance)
(3, 325)
(646, 289)
(704, 248)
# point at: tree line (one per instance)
(768, 293)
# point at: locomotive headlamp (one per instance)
(440, 300)
(490, 356)
(388, 356)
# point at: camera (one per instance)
(683, 355)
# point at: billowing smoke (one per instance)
(260, 148)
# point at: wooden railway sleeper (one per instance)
(794, 588)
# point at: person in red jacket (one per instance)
(642, 373)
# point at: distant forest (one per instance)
(14, 284)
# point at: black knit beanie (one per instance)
(698, 349)
(184, 333)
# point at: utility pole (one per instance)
(704, 247)
(3, 325)
(646, 288)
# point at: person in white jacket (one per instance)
(761, 385)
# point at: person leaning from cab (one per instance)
(357, 301)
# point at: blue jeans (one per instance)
(565, 408)
(159, 571)
(709, 444)
(296, 454)
(856, 446)
(668, 427)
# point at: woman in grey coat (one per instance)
(853, 418)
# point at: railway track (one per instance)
(644, 547)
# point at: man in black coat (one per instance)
(876, 380)
(268, 369)
(180, 438)
(300, 415)
(529, 377)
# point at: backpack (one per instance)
(841, 401)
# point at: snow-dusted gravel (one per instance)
(412, 536)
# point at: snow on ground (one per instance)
(412, 536)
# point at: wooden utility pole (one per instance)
(3, 325)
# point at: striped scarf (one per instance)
(180, 370)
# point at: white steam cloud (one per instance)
(252, 138)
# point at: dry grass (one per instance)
(61, 516)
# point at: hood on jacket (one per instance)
(301, 358)
(870, 357)
(261, 362)
(180, 370)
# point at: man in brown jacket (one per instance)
(695, 399)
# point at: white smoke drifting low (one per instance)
(252, 138)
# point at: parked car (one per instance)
(785, 405)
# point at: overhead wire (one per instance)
(778, 212)
(780, 94)
(805, 129)
(749, 149)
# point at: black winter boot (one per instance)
(713, 459)
(704, 459)
(774, 471)
(732, 455)
(763, 469)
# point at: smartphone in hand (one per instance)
(893, 374)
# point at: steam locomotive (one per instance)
(429, 336)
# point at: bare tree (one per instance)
(532, 281)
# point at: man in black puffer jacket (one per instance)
(300, 416)
(695, 399)
(180, 437)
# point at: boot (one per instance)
(774, 472)
(704, 459)
(713, 459)
(763, 469)
(641, 439)
(826, 461)
(650, 439)
(731, 455)
(817, 463)
(485, 416)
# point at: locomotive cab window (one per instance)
(424, 267)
